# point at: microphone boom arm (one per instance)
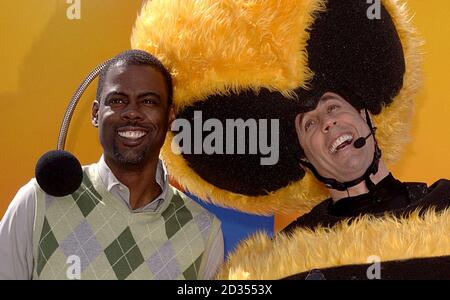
(73, 103)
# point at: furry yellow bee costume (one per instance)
(271, 59)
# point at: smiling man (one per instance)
(327, 135)
(125, 221)
(340, 149)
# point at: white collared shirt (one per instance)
(118, 189)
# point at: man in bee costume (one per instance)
(340, 80)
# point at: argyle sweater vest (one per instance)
(91, 234)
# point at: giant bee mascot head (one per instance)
(269, 60)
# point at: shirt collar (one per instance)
(114, 186)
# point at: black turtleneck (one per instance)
(389, 195)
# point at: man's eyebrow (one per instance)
(145, 94)
(115, 93)
(326, 98)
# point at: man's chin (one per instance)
(132, 161)
(130, 158)
(352, 173)
(347, 169)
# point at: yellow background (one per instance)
(44, 56)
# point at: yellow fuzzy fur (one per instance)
(213, 47)
(388, 238)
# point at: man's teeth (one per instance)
(134, 135)
(342, 139)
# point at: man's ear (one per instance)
(95, 108)
(171, 116)
(362, 113)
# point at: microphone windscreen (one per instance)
(359, 142)
(58, 173)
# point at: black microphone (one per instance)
(59, 173)
(361, 142)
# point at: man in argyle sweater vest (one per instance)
(125, 221)
(114, 243)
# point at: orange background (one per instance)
(44, 56)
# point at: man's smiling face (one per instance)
(326, 134)
(133, 114)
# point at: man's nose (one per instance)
(132, 112)
(327, 124)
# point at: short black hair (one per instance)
(136, 58)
